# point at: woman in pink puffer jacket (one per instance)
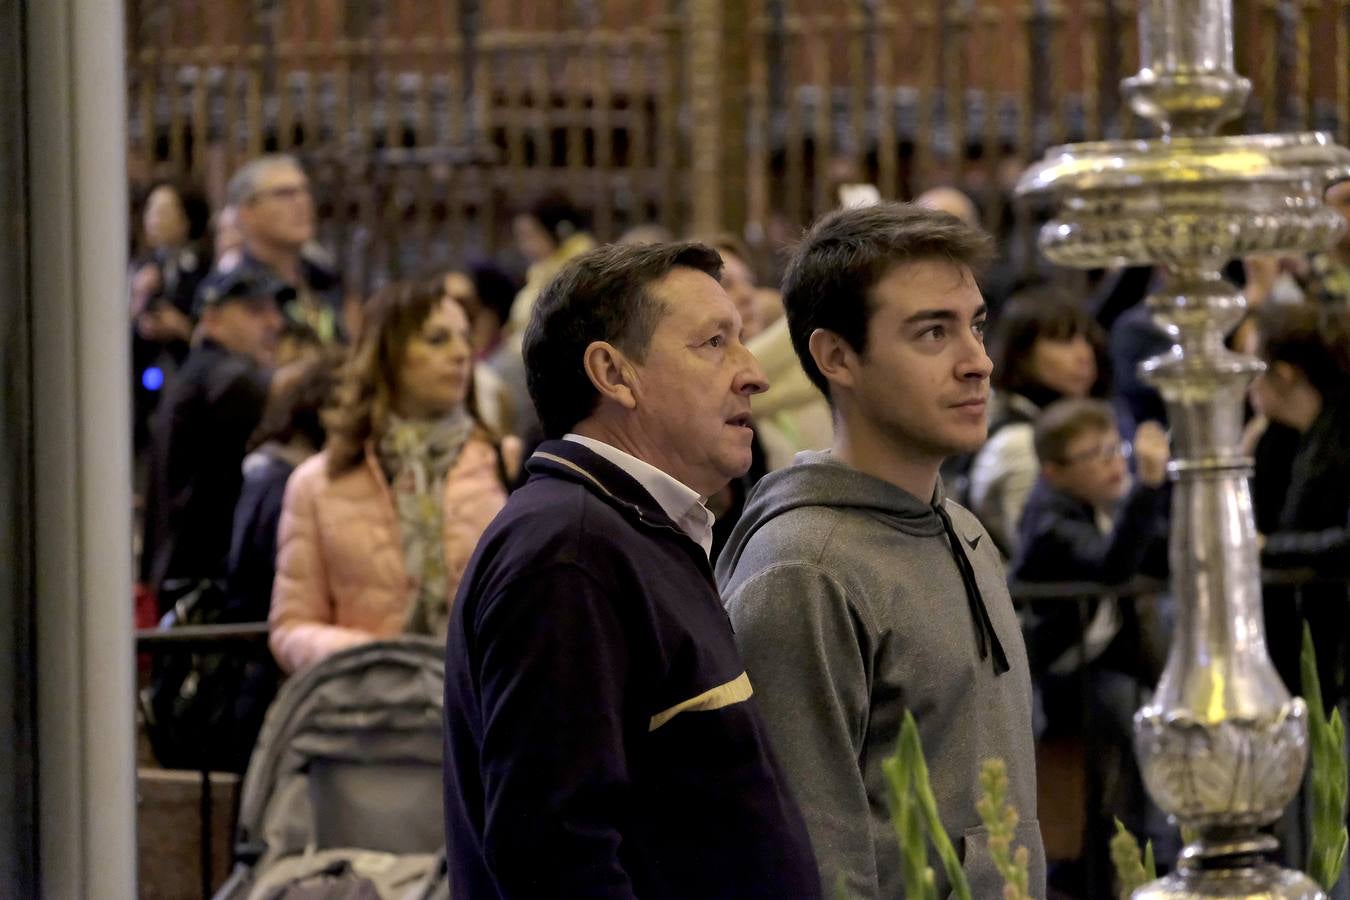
(377, 529)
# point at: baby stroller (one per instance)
(342, 798)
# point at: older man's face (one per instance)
(693, 388)
(281, 211)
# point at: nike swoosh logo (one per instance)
(975, 541)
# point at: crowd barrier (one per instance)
(206, 638)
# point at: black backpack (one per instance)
(203, 709)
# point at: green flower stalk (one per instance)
(1132, 870)
(1327, 774)
(915, 816)
(1000, 821)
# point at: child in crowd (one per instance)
(1084, 520)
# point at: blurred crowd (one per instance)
(326, 462)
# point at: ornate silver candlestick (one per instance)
(1222, 745)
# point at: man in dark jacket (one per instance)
(202, 431)
(601, 738)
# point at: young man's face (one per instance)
(924, 378)
(1093, 469)
(694, 385)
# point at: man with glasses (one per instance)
(204, 424)
(275, 212)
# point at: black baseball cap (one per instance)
(246, 281)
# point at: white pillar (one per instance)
(76, 133)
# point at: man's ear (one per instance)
(834, 357)
(610, 372)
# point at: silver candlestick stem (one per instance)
(1222, 745)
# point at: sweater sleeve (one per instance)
(552, 662)
(1327, 550)
(301, 618)
(805, 649)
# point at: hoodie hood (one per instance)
(817, 478)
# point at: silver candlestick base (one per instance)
(1221, 745)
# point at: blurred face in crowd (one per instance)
(228, 236)
(1065, 366)
(281, 211)
(1284, 395)
(1093, 469)
(165, 222)
(739, 283)
(1338, 198)
(923, 381)
(691, 393)
(433, 376)
(250, 326)
(532, 239)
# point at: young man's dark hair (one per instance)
(602, 296)
(1064, 420)
(830, 278)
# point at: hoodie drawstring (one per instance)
(985, 635)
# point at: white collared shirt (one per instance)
(678, 501)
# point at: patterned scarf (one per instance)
(416, 457)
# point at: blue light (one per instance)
(152, 379)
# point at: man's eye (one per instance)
(936, 333)
(716, 341)
(979, 328)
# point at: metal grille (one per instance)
(424, 124)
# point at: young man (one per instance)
(856, 589)
(601, 739)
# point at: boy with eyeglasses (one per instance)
(1085, 520)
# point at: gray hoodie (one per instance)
(850, 607)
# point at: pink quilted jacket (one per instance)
(340, 574)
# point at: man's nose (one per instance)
(975, 363)
(751, 379)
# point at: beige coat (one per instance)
(341, 578)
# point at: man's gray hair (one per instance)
(243, 184)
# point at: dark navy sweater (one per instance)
(600, 741)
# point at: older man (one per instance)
(204, 425)
(600, 735)
(275, 216)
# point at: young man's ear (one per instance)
(834, 357)
(610, 372)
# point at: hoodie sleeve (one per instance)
(805, 648)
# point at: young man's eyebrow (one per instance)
(943, 315)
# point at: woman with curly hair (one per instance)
(376, 530)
